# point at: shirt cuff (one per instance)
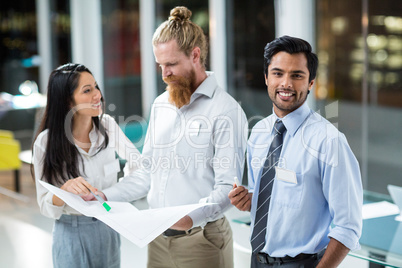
(198, 217)
(112, 194)
(54, 211)
(345, 236)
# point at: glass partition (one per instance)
(20, 61)
(60, 25)
(373, 124)
(251, 25)
(122, 59)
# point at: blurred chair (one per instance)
(9, 151)
(135, 132)
(26, 155)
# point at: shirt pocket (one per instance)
(196, 145)
(111, 169)
(288, 194)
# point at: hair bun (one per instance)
(180, 14)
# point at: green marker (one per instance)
(100, 199)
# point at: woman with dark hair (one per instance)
(75, 149)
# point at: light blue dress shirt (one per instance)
(328, 188)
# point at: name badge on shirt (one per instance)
(286, 175)
(194, 128)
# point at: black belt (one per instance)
(172, 232)
(266, 259)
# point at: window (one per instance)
(372, 125)
(251, 25)
(122, 59)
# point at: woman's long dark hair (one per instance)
(62, 156)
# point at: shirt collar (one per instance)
(207, 87)
(295, 119)
(96, 139)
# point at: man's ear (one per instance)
(196, 54)
(310, 86)
(266, 79)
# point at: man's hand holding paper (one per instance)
(183, 224)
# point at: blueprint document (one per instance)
(138, 226)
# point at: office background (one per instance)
(358, 42)
(359, 48)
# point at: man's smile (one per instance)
(285, 95)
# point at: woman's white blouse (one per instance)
(100, 170)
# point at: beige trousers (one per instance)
(210, 247)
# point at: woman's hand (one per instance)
(78, 186)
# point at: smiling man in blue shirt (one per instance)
(313, 212)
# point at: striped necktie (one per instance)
(266, 183)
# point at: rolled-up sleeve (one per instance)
(342, 187)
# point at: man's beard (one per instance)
(180, 89)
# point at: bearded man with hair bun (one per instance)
(195, 146)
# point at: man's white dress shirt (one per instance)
(190, 155)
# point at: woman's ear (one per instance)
(72, 104)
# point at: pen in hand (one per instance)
(237, 182)
(100, 199)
